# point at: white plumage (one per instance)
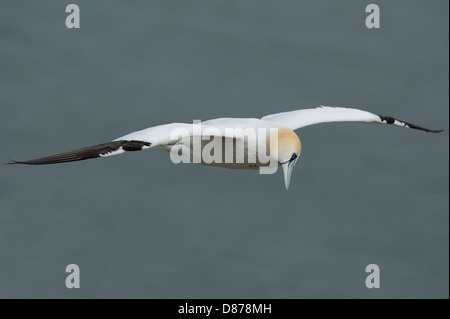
(247, 136)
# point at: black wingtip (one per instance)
(13, 162)
(425, 129)
(89, 152)
(394, 121)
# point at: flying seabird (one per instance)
(274, 133)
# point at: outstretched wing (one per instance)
(101, 150)
(136, 141)
(325, 114)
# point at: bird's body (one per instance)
(237, 138)
(236, 143)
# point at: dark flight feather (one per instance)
(87, 152)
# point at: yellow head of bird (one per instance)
(285, 148)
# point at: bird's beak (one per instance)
(287, 172)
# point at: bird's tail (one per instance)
(101, 150)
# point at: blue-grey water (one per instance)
(140, 226)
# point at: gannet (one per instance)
(283, 144)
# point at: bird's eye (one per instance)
(293, 157)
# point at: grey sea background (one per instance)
(140, 226)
